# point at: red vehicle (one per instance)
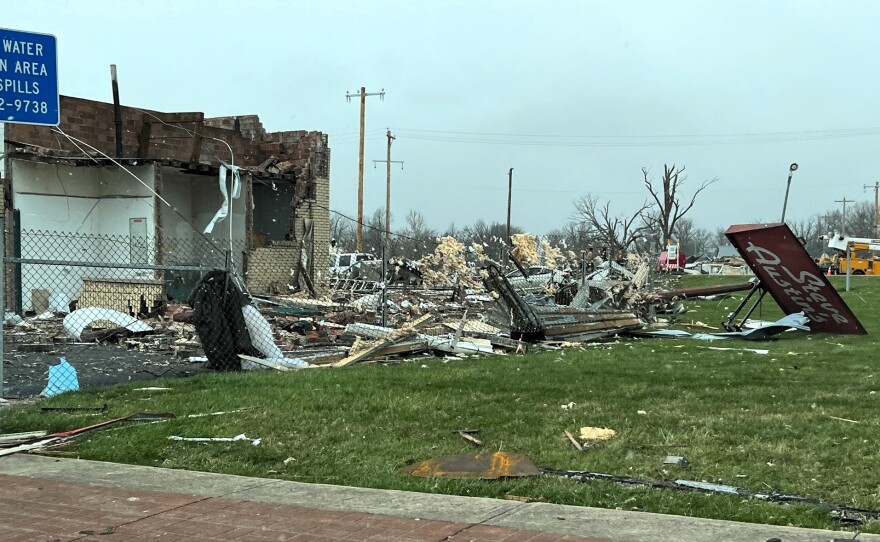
(671, 264)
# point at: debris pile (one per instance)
(453, 302)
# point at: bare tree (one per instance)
(342, 229)
(574, 236)
(809, 231)
(694, 241)
(374, 234)
(667, 208)
(416, 239)
(452, 231)
(616, 232)
(860, 219)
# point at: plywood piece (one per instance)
(480, 466)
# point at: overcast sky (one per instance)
(576, 96)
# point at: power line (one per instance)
(364, 224)
(634, 141)
(850, 131)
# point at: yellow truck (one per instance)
(863, 254)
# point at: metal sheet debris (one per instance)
(237, 438)
(679, 460)
(857, 514)
(480, 466)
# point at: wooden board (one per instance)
(381, 345)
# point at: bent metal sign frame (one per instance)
(791, 276)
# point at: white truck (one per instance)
(341, 263)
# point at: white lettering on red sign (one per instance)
(803, 289)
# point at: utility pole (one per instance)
(360, 221)
(844, 201)
(876, 188)
(388, 161)
(509, 197)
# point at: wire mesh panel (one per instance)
(91, 309)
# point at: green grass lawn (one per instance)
(750, 420)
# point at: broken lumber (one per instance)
(466, 434)
(406, 334)
(28, 447)
(21, 436)
(574, 441)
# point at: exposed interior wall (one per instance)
(82, 214)
(197, 198)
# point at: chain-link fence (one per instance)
(86, 309)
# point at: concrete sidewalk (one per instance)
(43, 499)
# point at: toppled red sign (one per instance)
(791, 276)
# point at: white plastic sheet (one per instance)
(254, 441)
(76, 322)
(224, 210)
(59, 303)
(263, 340)
(12, 319)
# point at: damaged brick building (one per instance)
(276, 233)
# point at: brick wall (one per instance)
(93, 122)
(249, 125)
(271, 265)
(320, 216)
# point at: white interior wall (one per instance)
(198, 197)
(61, 201)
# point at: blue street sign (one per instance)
(28, 78)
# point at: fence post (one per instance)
(2, 292)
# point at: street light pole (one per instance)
(791, 169)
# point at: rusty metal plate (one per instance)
(791, 276)
(480, 466)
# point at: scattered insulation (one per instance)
(524, 248)
(553, 257)
(446, 266)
